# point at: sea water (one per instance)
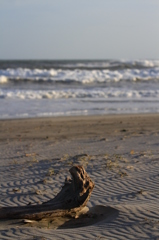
(63, 88)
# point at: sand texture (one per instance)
(120, 154)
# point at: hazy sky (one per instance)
(79, 29)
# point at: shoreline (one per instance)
(77, 126)
(83, 116)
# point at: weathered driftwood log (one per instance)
(69, 201)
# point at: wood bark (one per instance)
(69, 201)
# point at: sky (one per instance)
(79, 29)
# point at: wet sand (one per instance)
(120, 153)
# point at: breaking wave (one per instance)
(78, 76)
(111, 93)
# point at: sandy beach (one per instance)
(120, 154)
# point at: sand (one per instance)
(121, 155)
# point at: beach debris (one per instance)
(122, 174)
(140, 192)
(16, 190)
(31, 154)
(72, 198)
(123, 130)
(50, 172)
(132, 152)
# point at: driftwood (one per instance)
(69, 201)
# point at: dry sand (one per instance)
(120, 153)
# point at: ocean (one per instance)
(42, 88)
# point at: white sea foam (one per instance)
(111, 93)
(79, 75)
(3, 79)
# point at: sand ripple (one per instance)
(127, 181)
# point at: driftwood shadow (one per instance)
(95, 215)
(89, 217)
